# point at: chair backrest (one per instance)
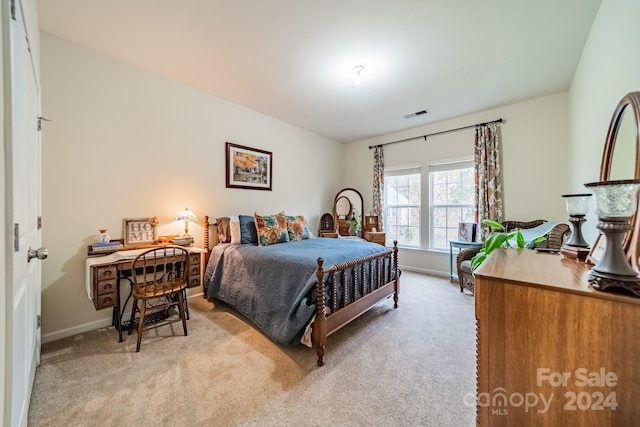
(555, 238)
(159, 271)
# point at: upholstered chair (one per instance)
(554, 240)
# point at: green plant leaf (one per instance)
(493, 224)
(520, 239)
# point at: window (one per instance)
(452, 200)
(402, 205)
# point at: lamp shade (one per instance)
(186, 215)
(577, 204)
(615, 199)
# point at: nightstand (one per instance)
(378, 237)
(370, 231)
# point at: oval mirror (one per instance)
(343, 207)
(621, 160)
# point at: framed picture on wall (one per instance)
(248, 167)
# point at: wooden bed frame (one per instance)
(383, 279)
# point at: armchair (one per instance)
(554, 240)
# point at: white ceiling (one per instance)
(293, 59)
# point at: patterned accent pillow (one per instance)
(271, 229)
(298, 228)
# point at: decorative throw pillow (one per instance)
(224, 230)
(234, 226)
(248, 234)
(271, 229)
(298, 228)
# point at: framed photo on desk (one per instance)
(139, 231)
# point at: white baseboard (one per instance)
(86, 327)
(423, 270)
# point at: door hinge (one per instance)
(39, 222)
(39, 320)
(16, 237)
(13, 9)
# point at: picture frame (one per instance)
(597, 250)
(248, 168)
(467, 231)
(139, 231)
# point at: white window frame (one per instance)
(443, 166)
(408, 169)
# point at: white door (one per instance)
(23, 333)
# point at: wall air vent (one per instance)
(416, 114)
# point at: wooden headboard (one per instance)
(208, 231)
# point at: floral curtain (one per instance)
(378, 184)
(488, 174)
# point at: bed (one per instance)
(288, 289)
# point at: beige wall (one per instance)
(124, 143)
(609, 69)
(535, 151)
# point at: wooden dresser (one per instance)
(552, 351)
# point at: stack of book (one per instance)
(182, 241)
(109, 246)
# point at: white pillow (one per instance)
(234, 226)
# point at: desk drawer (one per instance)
(193, 281)
(105, 300)
(106, 272)
(194, 259)
(107, 286)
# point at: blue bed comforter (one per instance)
(273, 285)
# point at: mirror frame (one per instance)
(354, 204)
(350, 207)
(630, 104)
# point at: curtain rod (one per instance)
(436, 133)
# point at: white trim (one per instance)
(90, 326)
(437, 273)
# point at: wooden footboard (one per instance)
(366, 280)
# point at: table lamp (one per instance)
(186, 215)
(615, 204)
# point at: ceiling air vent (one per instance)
(416, 114)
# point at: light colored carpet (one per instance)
(410, 366)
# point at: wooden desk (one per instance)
(106, 273)
(544, 333)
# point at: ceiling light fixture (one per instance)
(358, 70)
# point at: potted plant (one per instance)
(354, 225)
(499, 239)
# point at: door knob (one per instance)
(41, 253)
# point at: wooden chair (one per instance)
(160, 278)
